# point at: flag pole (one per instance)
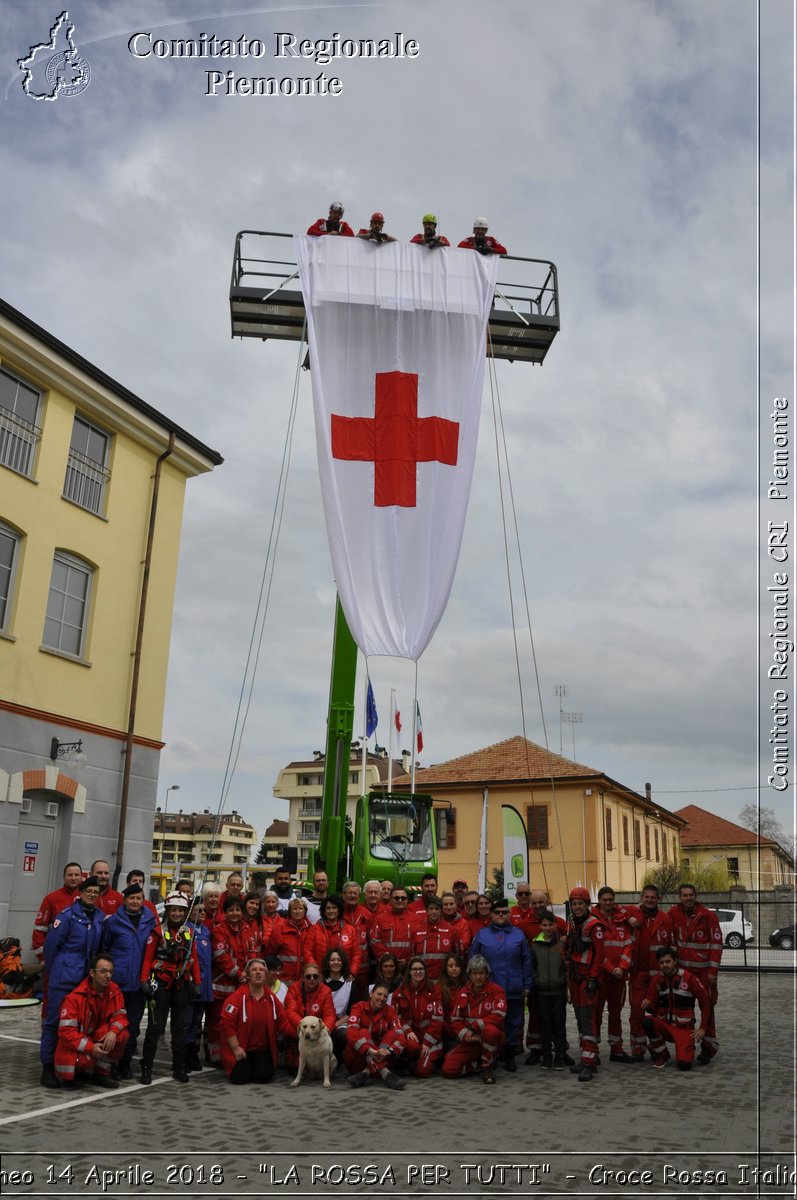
(390, 741)
(365, 734)
(414, 731)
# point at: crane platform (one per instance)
(266, 300)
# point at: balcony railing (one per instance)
(85, 482)
(18, 440)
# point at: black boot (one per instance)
(146, 1072)
(49, 1079)
(192, 1062)
(509, 1059)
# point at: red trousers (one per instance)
(611, 992)
(354, 1061)
(584, 1010)
(468, 1057)
(661, 1032)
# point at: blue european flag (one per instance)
(371, 716)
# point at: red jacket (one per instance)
(170, 957)
(697, 939)
(109, 901)
(434, 943)
(476, 924)
(286, 943)
(653, 933)
(420, 1011)
(392, 932)
(255, 1023)
(300, 1003)
(618, 938)
(319, 229)
(368, 1030)
(420, 240)
(461, 930)
(232, 950)
(52, 904)
(674, 999)
(86, 1016)
(583, 949)
(321, 938)
(526, 919)
(491, 246)
(479, 1012)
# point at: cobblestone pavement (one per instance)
(738, 1110)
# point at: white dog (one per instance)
(315, 1051)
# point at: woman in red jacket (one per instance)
(287, 939)
(307, 997)
(419, 1007)
(250, 1020)
(332, 933)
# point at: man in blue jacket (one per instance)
(70, 945)
(507, 951)
(124, 936)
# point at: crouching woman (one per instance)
(248, 1026)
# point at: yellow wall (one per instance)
(756, 871)
(114, 544)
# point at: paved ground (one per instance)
(276, 1141)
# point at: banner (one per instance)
(397, 353)
(516, 850)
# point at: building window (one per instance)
(19, 432)
(733, 866)
(637, 840)
(67, 604)
(9, 550)
(647, 842)
(656, 842)
(609, 838)
(537, 826)
(626, 849)
(445, 832)
(86, 472)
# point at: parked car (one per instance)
(783, 939)
(736, 929)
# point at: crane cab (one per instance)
(394, 838)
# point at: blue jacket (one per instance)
(507, 951)
(204, 952)
(125, 943)
(72, 941)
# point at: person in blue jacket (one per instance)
(506, 949)
(204, 952)
(71, 943)
(124, 936)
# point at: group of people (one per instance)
(403, 986)
(334, 225)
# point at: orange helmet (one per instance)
(578, 893)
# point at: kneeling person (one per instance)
(250, 1020)
(477, 1022)
(375, 1041)
(92, 1028)
(670, 1012)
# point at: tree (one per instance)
(764, 822)
(260, 857)
(495, 890)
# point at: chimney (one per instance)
(648, 792)
(406, 761)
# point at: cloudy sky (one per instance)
(617, 138)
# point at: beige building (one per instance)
(583, 827)
(302, 784)
(199, 846)
(754, 862)
(272, 849)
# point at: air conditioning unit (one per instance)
(51, 810)
(26, 804)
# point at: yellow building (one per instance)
(92, 482)
(583, 828)
(754, 862)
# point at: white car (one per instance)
(736, 929)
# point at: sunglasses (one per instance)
(312, 976)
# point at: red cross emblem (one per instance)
(395, 439)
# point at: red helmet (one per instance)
(580, 894)
(378, 217)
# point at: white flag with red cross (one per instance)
(397, 352)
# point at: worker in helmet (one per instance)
(480, 240)
(333, 224)
(584, 955)
(376, 230)
(430, 237)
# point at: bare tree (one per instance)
(765, 823)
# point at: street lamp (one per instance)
(174, 788)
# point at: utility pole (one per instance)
(560, 690)
(573, 719)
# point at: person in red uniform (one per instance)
(308, 996)
(460, 889)
(428, 889)
(435, 939)
(419, 1006)
(618, 948)
(454, 918)
(92, 1028)
(483, 915)
(375, 1041)
(697, 940)
(233, 887)
(53, 904)
(269, 918)
(376, 230)
(480, 241)
(670, 1012)
(477, 1023)
(395, 930)
(430, 237)
(109, 899)
(652, 934)
(250, 1020)
(334, 223)
(288, 938)
(332, 933)
(583, 951)
(170, 976)
(358, 915)
(234, 943)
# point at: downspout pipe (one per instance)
(142, 612)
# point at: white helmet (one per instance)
(480, 223)
(176, 900)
